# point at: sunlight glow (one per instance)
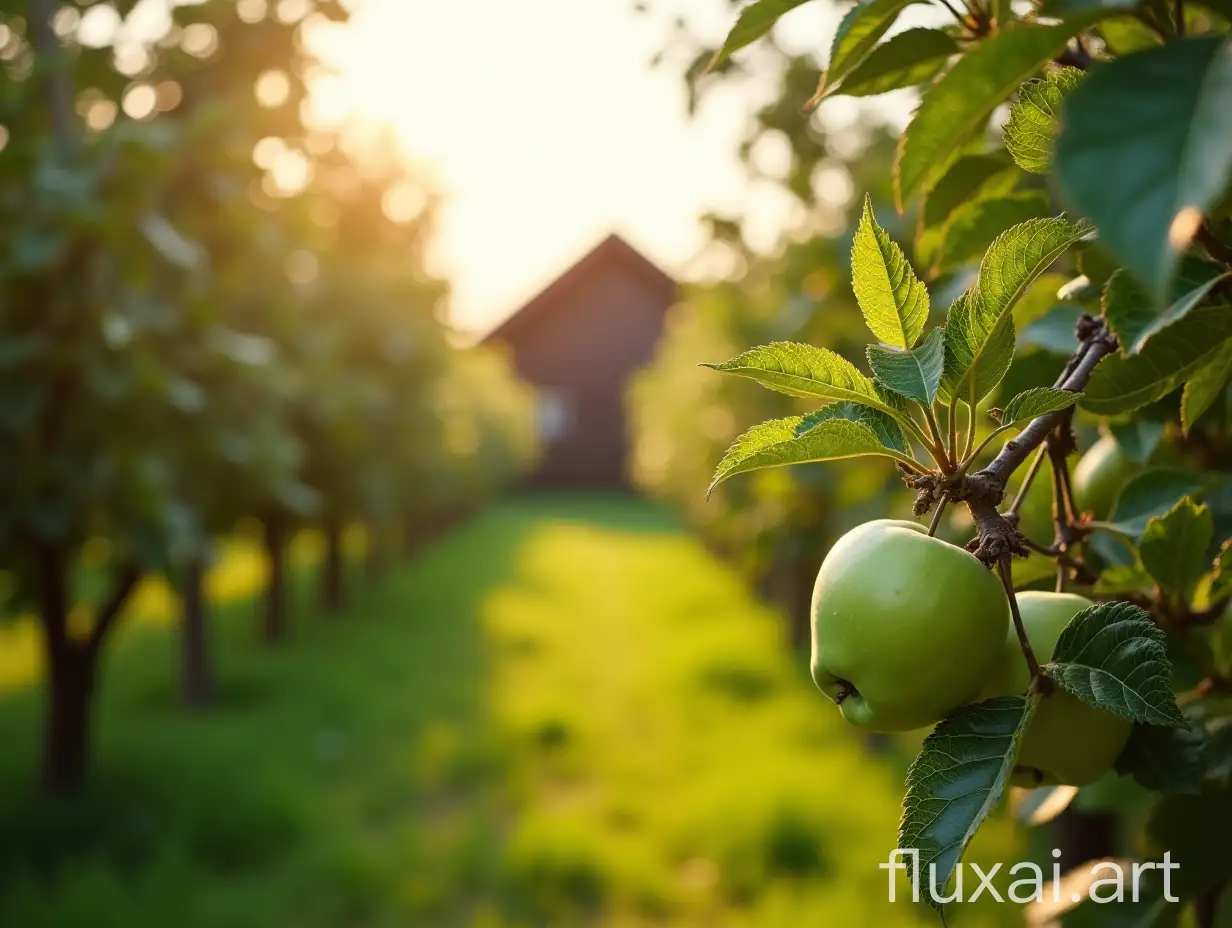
(543, 127)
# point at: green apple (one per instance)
(1070, 741)
(906, 628)
(1099, 476)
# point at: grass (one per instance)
(565, 713)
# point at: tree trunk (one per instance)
(197, 681)
(332, 592)
(274, 626)
(71, 666)
(67, 735)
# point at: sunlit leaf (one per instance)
(959, 104)
(755, 20)
(1039, 401)
(892, 298)
(905, 60)
(980, 327)
(804, 370)
(857, 35)
(780, 442)
(888, 432)
(1034, 119)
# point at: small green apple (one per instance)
(1099, 476)
(1070, 741)
(906, 628)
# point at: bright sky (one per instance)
(543, 126)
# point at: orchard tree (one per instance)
(1126, 110)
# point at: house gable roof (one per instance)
(613, 250)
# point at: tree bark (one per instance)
(71, 666)
(197, 681)
(275, 626)
(67, 734)
(333, 567)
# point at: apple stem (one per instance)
(843, 690)
(932, 526)
(1007, 580)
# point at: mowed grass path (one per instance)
(565, 713)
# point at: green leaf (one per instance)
(1173, 546)
(971, 178)
(959, 104)
(1147, 176)
(1127, 307)
(956, 780)
(980, 328)
(968, 179)
(888, 432)
(1113, 656)
(1123, 578)
(1147, 494)
(1020, 255)
(755, 20)
(1039, 300)
(857, 35)
(892, 298)
(1128, 34)
(1121, 384)
(1131, 311)
(779, 442)
(914, 374)
(1204, 386)
(1035, 119)
(905, 60)
(969, 232)
(1196, 279)
(1165, 760)
(1036, 402)
(979, 349)
(803, 370)
(1138, 439)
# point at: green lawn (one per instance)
(564, 713)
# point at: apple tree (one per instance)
(1095, 211)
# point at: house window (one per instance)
(554, 414)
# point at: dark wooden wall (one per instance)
(582, 340)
